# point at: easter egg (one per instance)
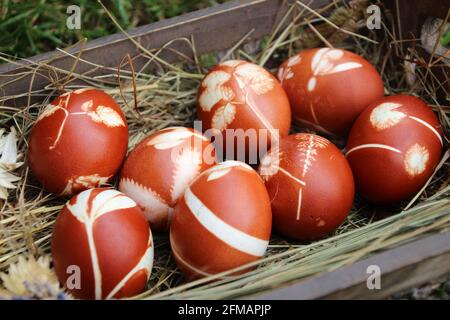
(310, 185)
(158, 170)
(102, 246)
(329, 88)
(78, 142)
(223, 221)
(245, 106)
(393, 148)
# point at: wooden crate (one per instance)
(217, 29)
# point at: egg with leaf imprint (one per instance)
(223, 221)
(158, 170)
(78, 142)
(328, 88)
(243, 98)
(393, 148)
(310, 185)
(102, 246)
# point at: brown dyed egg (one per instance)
(159, 169)
(78, 142)
(329, 88)
(310, 185)
(393, 148)
(222, 221)
(241, 95)
(102, 246)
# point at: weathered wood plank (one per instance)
(213, 29)
(402, 268)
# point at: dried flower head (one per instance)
(29, 278)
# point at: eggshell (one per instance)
(329, 88)
(78, 142)
(222, 221)
(393, 148)
(158, 170)
(237, 95)
(102, 237)
(310, 185)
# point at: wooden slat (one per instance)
(402, 268)
(213, 29)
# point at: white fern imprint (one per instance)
(187, 167)
(416, 159)
(307, 145)
(154, 206)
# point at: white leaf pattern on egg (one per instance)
(187, 167)
(312, 84)
(416, 159)
(223, 116)
(385, 115)
(345, 67)
(215, 90)
(270, 163)
(308, 145)
(218, 174)
(107, 116)
(288, 73)
(294, 60)
(170, 139)
(254, 77)
(87, 106)
(324, 62)
(154, 206)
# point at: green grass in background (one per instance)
(29, 27)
